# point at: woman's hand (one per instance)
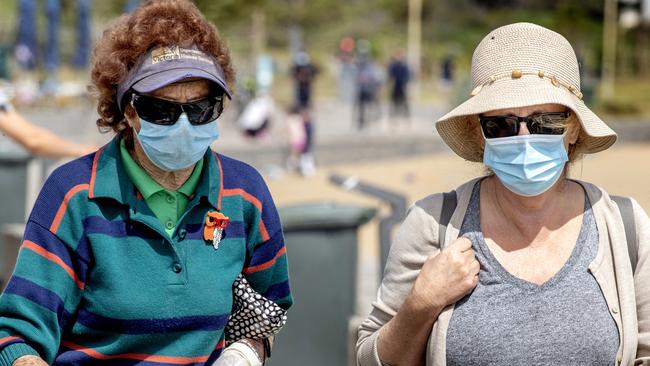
(29, 361)
(446, 277)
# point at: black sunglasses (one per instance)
(166, 112)
(538, 124)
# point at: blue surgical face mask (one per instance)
(176, 147)
(527, 165)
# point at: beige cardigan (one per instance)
(417, 239)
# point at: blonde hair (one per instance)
(576, 150)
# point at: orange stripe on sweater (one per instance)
(220, 181)
(247, 196)
(93, 173)
(8, 339)
(64, 205)
(220, 345)
(54, 258)
(136, 356)
(266, 265)
(255, 202)
(263, 232)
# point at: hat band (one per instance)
(517, 74)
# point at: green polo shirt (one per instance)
(168, 206)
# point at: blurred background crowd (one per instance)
(374, 66)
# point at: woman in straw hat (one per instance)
(533, 268)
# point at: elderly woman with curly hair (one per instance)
(523, 266)
(131, 254)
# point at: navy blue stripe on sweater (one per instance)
(57, 185)
(151, 326)
(267, 251)
(277, 291)
(39, 295)
(74, 358)
(115, 228)
(214, 356)
(12, 340)
(42, 237)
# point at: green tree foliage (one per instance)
(449, 27)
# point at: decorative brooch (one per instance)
(215, 224)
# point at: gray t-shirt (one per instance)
(510, 321)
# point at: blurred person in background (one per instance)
(255, 120)
(368, 81)
(296, 136)
(399, 76)
(307, 161)
(37, 140)
(303, 72)
(346, 82)
(147, 250)
(27, 52)
(447, 72)
(300, 130)
(524, 265)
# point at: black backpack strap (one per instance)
(449, 202)
(627, 213)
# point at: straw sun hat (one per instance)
(520, 65)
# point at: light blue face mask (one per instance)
(176, 147)
(527, 165)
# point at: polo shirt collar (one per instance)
(109, 178)
(139, 177)
(147, 185)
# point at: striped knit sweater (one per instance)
(99, 281)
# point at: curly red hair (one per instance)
(155, 23)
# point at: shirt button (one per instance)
(182, 233)
(171, 199)
(177, 268)
(169, 225)
(615, 310)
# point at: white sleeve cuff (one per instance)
(246, 352)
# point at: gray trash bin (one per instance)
(321, 242)
(15, 192)
(11, 236)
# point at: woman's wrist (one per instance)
(403, 339)
(421, 307)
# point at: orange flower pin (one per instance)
(215, 224)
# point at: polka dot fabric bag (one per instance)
(253, 315)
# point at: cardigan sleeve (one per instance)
(642, 284)
(415, 241)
